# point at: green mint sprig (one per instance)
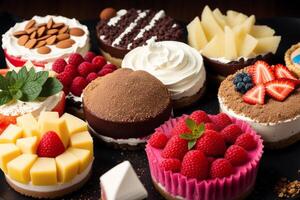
(27, 85)
(197, 132)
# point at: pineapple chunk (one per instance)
(220, 18)
(209, 23)
(260, 31)
(234, 18)
(29, 124)
(267, 44)
(247, 46)
(11, 134)
(215, 48)
(196, 35)
(74, 124)
(28, 145)
(230, 46)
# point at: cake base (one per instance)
(283, 143)
(188, 101)
(113, 60)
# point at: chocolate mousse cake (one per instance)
(124, 107)
(119, 32)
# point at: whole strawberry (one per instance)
(171, 164)
(220, 168)
(175, 148)
(158, 140)
(246, 141)
(195, 165)
(236, 155)
(50, 145)
(199, 116)
(180, 128)
(75, 59)
(221, 120)
(77, 86)
(230, 133)
(59, 65)
(89, 56)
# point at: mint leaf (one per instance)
(191, 144)
(191, 124)
(5, 97)
(31, 74)
(199, 130)
(22, 74)
(51, 87)
(3, 83)
(41, 77)
(31, 91)
(11, 77)
(187, 136)
(18, 94)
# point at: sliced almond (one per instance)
(63, 29)
(64, 44)
(52, 31)
(30, 24)
(58, 25)
(30, 44)
(44, 37)
(76, 32)
(31, 30)
(22, 40)
(50, 23)
(51, 40)
(19, 33)
(40, 43)
(33, 35)
(63, 36)
(41, 31)
(44, 50)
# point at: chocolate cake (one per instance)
(132, 28)
(126, 104)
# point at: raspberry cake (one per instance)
(48, 156)
(176, 65)
(132, 105)
(267, 98)
(42, 40)
(292, 59)
(119, 32)
(230, 42)
(200, 156)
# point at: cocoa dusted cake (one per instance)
(119, 32)
(124, 107)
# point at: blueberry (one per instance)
(247, 79)
(248, 86)
(237, 79)
(240, 85)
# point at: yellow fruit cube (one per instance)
(18, 169)
(74, 124)
(82, 140)
(27, 121)
(8, 152)
(43, 172)
(85, 157)
(11, 134)
(67, 166)
(28, 145)
(44, 116)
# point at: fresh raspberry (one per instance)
(211, 143)
(195, 165)
(59, 65)
(65, 79)
(236, 155)
(175, 148)
(85, 68)
(171, 164)
(246, 141)
(158, 140)
(89, 56)
(71, 70)
(199, 116)
(180, 128)
(66, 90)
(110, 66)
(50, 145)
(77, 86)
(99, 61)
(221, 120)
(230, 133)
(105, 71)
(210, 160)
(75, 59)
(211, 126)
(92, 76)
(220, 168)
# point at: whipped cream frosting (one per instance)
(10, 43)
(175, 64)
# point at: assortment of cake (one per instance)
(42, 40)
(124, 107)
(232, 41)
(292, 59)
(202, 156)
(121, 31)
(176, 65)
(266, 97)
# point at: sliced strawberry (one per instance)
(251, 70)
(280, 89)
(256, 95)
(282, 71)
(262, 72)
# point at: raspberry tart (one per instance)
(266, 97)
(48, 156)
(292, 59)
(42, 40)
(209, 157)
(119, 32)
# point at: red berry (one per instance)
(85, 68)
(111, 66)
(71, 70)
(175, 148)
(230, 133)
(170, 164)
(280, 89)
(262, 72)
(59, 65)
(50, 145)
(77, 86)
(221, 168)
(211, 126)
(158, 140)
(92, 76)
(65, 79)
(236, 155)
(75, 59)
(199, 116)
(211, 143)
(180, 128)
(246, 141)
(255, 95)
(105, 71)
(89, 56)
(195, 165)
(210, 160)
(99, 61)
(221, 120)
(282, 71)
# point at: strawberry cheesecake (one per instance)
(292, 59)
(200, 156)
(48, 156)
(42, 40)
(267, 98)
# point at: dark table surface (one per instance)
(274, 164)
